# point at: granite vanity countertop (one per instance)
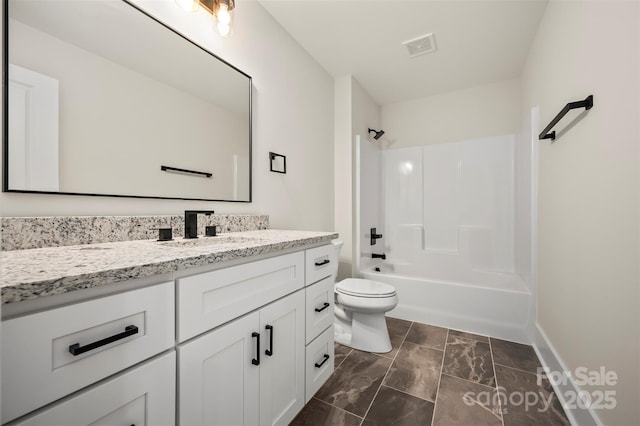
(33, 273)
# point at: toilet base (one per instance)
(370, 331)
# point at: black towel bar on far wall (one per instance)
(586, 104)
(193, 172)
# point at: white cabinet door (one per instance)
(247, 372)
(218, 383)
(145, 395)
(282, 324)
(33, 130)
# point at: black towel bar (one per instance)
(175, 169)
(586, 104)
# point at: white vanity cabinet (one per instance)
(251, 370)
(247, 344)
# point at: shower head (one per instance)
(378, 133)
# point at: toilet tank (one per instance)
(335, 258)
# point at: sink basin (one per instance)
(207, 241)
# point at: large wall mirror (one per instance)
(105, 100)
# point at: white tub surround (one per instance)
(33, 273)
(483, 303)
(456, 231)
(20, 233)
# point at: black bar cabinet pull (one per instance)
(587, 104)
(193, 172)
(320, 364)
(325, 305)
(76, 349)
(269, 352)
(324, 262)
(256, 360)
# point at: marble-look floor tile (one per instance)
(354, 384)
(460, 402)
(455, 334)
(416, 370)
(427, 335)
(528, 399)
(397, 331)
(397, 326)
(340, 353)
(470, 360)
(515, 355)
(317, 413)
(392, 407)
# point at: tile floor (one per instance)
(435, 376)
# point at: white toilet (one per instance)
(360, 306)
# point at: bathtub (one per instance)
(487, 303)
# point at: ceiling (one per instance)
(478, 41)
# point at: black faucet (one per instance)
(374, 236)
(379, 256)
(191, 222)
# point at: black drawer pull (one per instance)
(256, 360)
(76, 349)
(269, 352)
(324, 306)
(324, 262)
(326, 358)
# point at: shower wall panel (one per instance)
(454, 201)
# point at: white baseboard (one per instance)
(549, 358)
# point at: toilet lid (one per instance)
(364, 288)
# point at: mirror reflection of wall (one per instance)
(133, 96)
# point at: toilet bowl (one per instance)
(359, 307)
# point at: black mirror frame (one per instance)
(5, 116)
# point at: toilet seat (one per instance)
(359, 287)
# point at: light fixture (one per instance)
(220, 9)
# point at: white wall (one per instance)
(476, 112)
(366, 114)
(292, 115)
(588, 236)
(343, 185)
(371, 203)
(355, 112)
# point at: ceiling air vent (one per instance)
(420, 45)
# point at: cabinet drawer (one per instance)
(319, 262)
(319, 307)
(208, 300)
(319, 362)
(109, 334)
(143, 396)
